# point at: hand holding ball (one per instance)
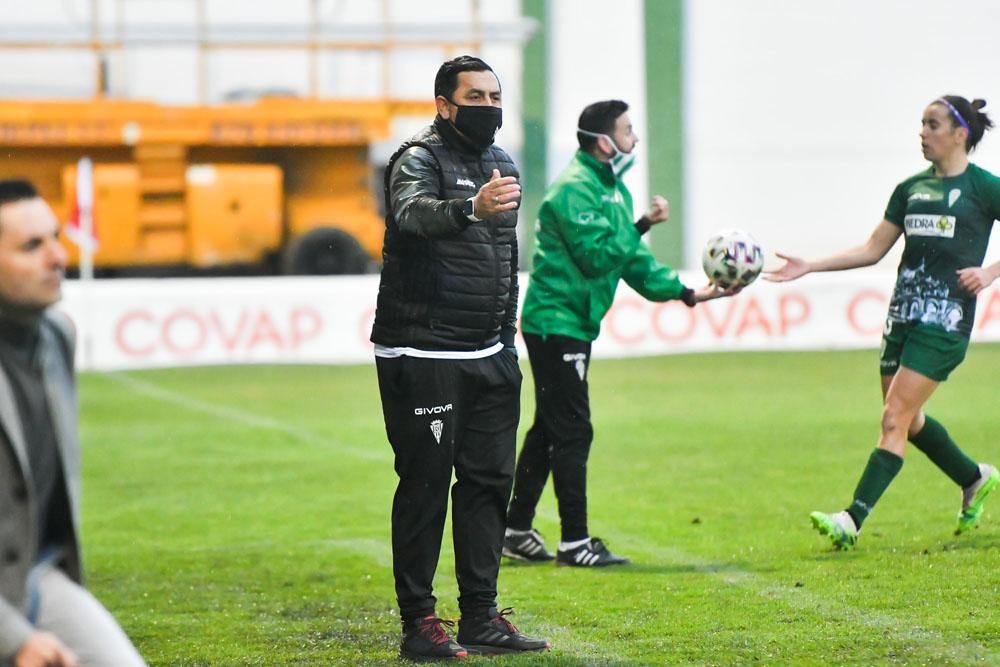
(732, 258)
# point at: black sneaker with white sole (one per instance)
(526, 546)
(590, 554)
(424, 640)
(493, 634)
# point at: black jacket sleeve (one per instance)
(509, 326)
(414, 191)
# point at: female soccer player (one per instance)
(946, 213)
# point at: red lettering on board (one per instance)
(793, 310)
(866, 300)
(753, 317)
(613, 323)
(186, 332)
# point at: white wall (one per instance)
(166, 71)
(158, 323)
(803, 114)
(596, 53)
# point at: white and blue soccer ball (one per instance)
(732, 257)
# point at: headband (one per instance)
(954, 112)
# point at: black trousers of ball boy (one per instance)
(560, 437)
(443, 415)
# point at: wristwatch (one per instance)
(468, 210)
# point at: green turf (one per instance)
(240, 516)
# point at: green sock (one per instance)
(878, 475)
(934, 441)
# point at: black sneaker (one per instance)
(424, 640)
(527, 547)
(591, 554)
(493, 633)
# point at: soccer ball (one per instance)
(732, 257)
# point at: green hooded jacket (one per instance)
(586, 241)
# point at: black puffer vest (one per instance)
(452, 293)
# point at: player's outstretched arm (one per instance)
(794, 267)
(874, 249)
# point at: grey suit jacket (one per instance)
(18, 510)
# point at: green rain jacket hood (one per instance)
(586, 241)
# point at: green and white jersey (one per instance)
(947, 223)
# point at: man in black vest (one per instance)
(447, 370)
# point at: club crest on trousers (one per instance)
(580, 363)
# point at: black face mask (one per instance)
(479, 124)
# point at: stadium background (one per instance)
(804, 113)
(239, 515)
(790, 119)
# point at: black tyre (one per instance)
(325, 251)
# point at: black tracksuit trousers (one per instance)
(560, 437)
(440, 415)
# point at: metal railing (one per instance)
(116, 34)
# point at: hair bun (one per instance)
(978, 104)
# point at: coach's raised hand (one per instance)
(499, 194)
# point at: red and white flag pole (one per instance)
(82, 232)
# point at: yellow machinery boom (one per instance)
(279, 179)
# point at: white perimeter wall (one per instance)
(160, 323)
(168, 73)
(596, 52)
(803, 114)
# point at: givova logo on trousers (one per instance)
(433, 410)
(941, 226)
(437, 425)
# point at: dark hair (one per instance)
(599, 118)
(15, 190)
(974, 119)
(446, 80)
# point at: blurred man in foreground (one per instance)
(47, 618)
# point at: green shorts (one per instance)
(926, 349)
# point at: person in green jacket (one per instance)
(586, 242)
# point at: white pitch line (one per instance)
(968, 650)
(374, 550)
(797, 598)
(379, 553)
(244, 418)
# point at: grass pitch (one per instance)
(240, 516)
